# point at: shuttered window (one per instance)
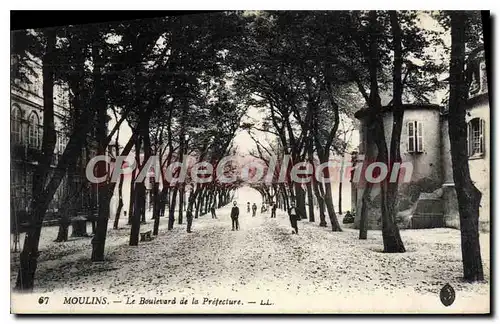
(475, 137)
(415, 137)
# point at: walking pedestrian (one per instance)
(248, 207)
(212, 210)
(235, 213)
(294, 216)
(254, 209)
(189, 217)
(273, 211)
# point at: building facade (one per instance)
(429, 198)
(26, 129)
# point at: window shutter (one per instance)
(406, 137)
(469, 140)
(419, 130)
(481, 135)
(411, 136)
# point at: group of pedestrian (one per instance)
(293, 215)
(254, 208)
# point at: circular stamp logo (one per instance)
(447, 295)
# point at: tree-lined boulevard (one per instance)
(262, 261)
(183, 85)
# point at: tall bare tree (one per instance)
(469, 197)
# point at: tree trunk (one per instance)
(181, 203)
(62, 233)
(147, 155)
(156, 208)
(120, 203)
(398, 114)
(363, 213)
(329, 199)
(131, 199)
(67, 210)
(390, 232)
(65, 216)
(138, 192)
(310, 201)
(300, 200)
(171, 212)
(120, 185)
(99, 240)
(321, 203)
(202, 201)
(165, 200)
(286, 203)
(29, 255)
(340, 196)
(221, 199)
(331, 210)
(468, 196)
(208, 198)
(197, 200)
(192, 197)
(136, 219)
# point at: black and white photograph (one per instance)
(251, 162)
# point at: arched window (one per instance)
(475, 137)
(34, 131)
(15, 124)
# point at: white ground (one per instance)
(315, 271)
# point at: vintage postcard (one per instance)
(252, 162)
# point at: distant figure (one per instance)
(273, 211)
(162, 205)
(262, 209)
(235, 212)
(294, 215)
(348, 218)
(212, 210)
(248, 207)
(189, 217)
(254, 209)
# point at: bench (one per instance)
(146, 236)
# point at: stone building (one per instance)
(26, 129)
(429, 198)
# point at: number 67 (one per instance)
(43, 300)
